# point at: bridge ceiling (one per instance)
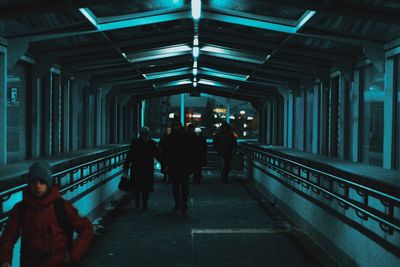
(247, 47)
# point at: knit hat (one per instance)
(41, 171)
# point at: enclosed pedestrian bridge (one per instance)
(311, 90)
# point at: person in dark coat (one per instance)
(200, 154)
(226, 144)
(140, 160)
(178, 153)
(44, 242)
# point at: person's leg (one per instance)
(222, 168)
(176, 191)
(136, 193)
(226, 168)
(145, 198)
(185, 193)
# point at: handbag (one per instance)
(124, 183)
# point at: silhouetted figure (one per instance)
(178, 153)
(46, 223)
(200, 154)
(140, 160)
(161, 147)
(225, 142)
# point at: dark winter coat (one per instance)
(140, 159)
(225, 143)
(179, 152)
(44, 243)
(200, 153)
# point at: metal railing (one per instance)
(69, 180)
(348, 194)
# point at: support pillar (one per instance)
(316, 119)
(389, 137)
(142, 114)
(74, 115)
(228, 111)
(46, 132)
(183, 110)
(3, 105)
(40, 73)
(66, 93)
(356, 117)
(98, 114)
(290, 143)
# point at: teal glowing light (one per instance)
(175, 83)
(223, 74)
(306, 17)
(213, 83)
(196, 41)
(195, 64)
(194, 84)
(222, 52)
(196, 51)
(89, 16)
(166, 74)
(196, 9)
(165, 52)
(195, 71)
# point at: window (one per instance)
(397, 87)
(372, 115)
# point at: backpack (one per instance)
(62, 219)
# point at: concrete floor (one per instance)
(225, 226)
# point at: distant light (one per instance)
(194, 84)
(124, 55)
(244, 125)
(242, 112)
(195, 64)
(249, 118)
(196, 115)
(196, 51)
(171, 115)
(223, 116)
(232, 117)
(195, 71)
(215, 116)
(244, 133)
(196, 9)
(196, 41)
(195, 79)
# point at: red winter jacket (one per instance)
(43, 242)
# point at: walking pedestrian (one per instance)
(46, 223)
(140, 161)
(178, 153)
(226, 144)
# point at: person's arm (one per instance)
(83, 227)
(129, 158)
(10, 236)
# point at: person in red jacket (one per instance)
(44, 240)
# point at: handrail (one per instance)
(314, 179)
(103, 165)
(326, 174)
